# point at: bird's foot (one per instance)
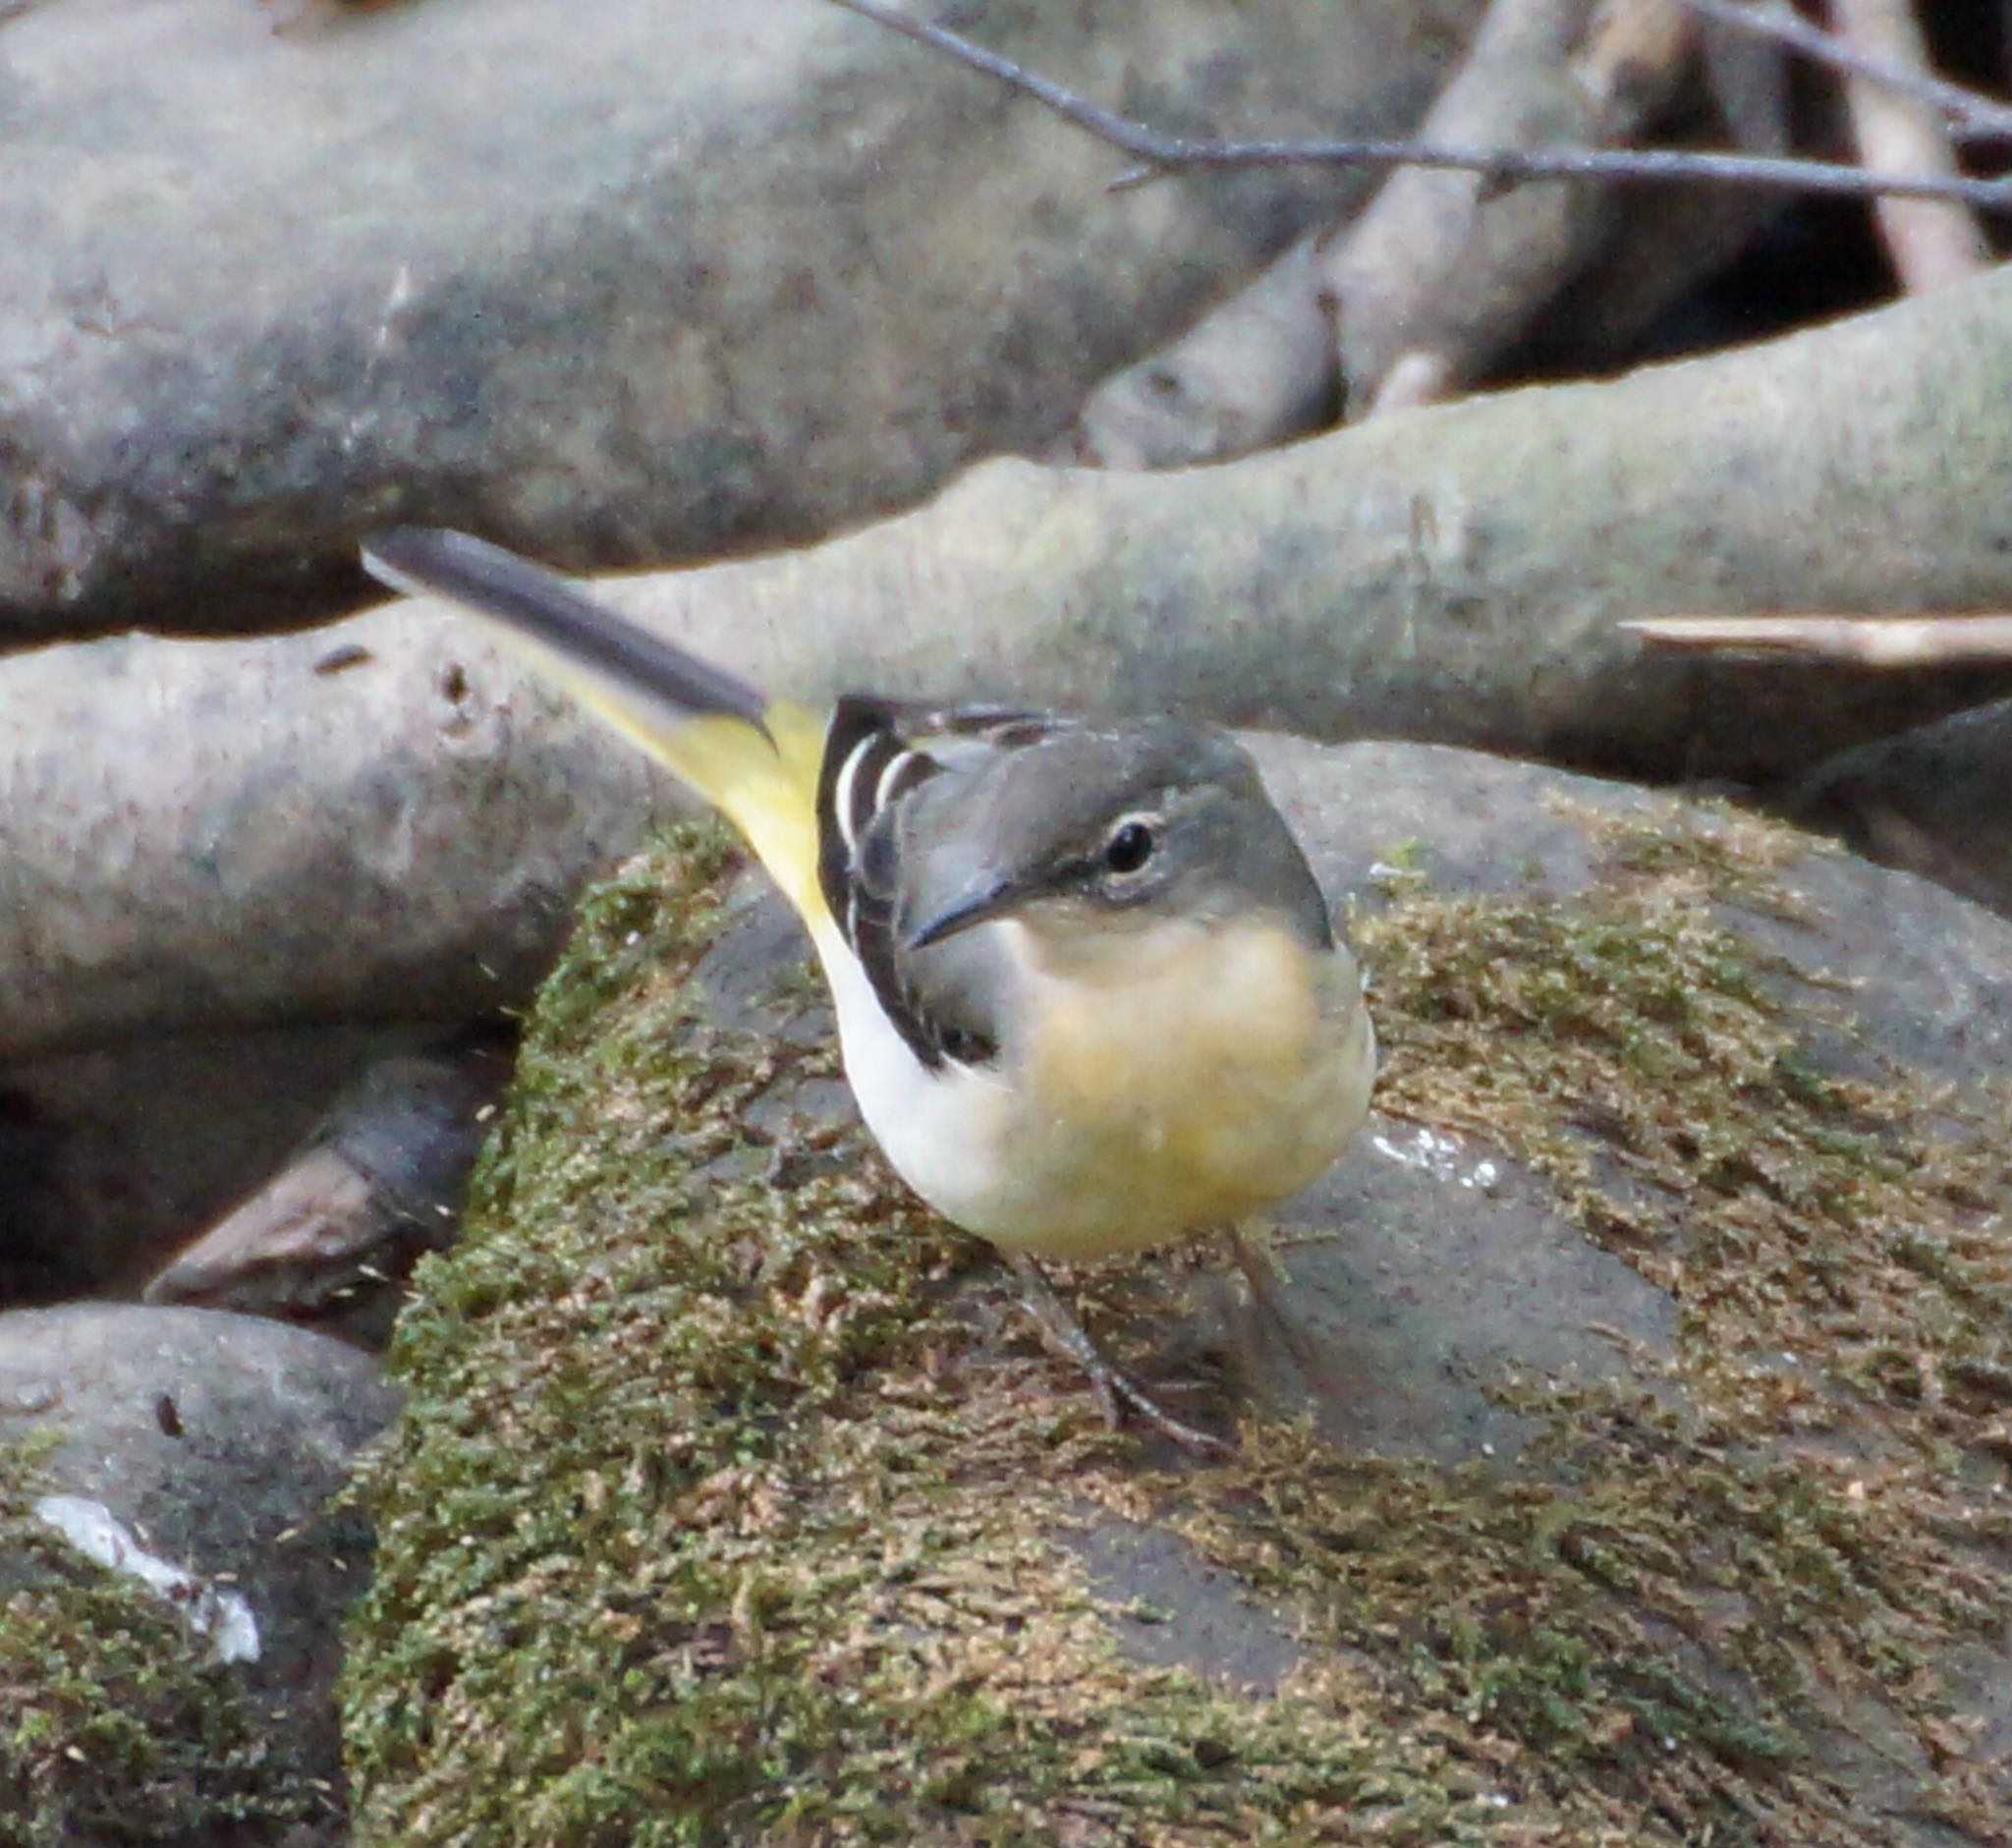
(1116, 1390)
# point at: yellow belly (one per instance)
(1173, 1080)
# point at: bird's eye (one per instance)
(1128, 848)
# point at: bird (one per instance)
(1090, 998)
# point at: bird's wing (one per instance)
(755, 760)
(879, 754)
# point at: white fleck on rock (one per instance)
(210, 1611)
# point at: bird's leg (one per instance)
(1260, 1271)
(1260, 1267)
(1067, 1339)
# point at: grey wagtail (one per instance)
(1090, 997)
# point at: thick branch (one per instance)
(1932, 246)
(1442, 271)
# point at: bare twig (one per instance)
(1863, 641)
(1930, 245)
(1161, 153)
(1971, 111)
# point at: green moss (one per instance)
(1635, 1047)
(1831, 1240)
(721, 1512)
(113, 1726)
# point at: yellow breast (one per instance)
(1174, 1077)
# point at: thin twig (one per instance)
(1863, 641)
(1971, 111)
(1161, 153)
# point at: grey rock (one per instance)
(1931, 800)
(637, 282)
(1201, 1623)
(1426, 1268)
(1427, 1271)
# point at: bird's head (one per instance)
(1099, 835)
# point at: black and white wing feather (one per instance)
(877, 755)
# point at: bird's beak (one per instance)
(979, 903)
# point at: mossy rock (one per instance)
(199, 1449)
(117, 1730)
(732, 1506)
